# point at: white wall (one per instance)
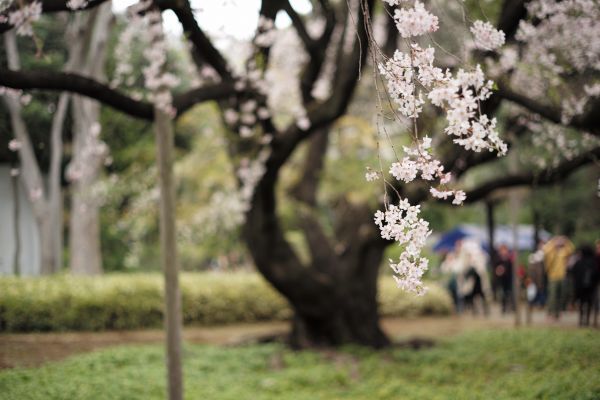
(30, 262)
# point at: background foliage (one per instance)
(134, 301)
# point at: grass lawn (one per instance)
(525, 364)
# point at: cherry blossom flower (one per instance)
(77, 4)
(23, 17)
(486, 36)
(371, 175)
(415, 21)
(15, 145)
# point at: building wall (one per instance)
(30, 262)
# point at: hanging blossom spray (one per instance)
(412, 80)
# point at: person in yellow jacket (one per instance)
(557, 252)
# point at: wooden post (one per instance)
(514, 210)
(164, 150)
(16, 215)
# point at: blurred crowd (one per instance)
(556, 277)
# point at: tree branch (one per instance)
(63, 81)
(325, 113)
(590, 121)
(317, 50)
(305, 190)
(307, 41)
(203, 47)
(48, 6)
(530, 178)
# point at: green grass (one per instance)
(525, 364)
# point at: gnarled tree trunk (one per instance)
(334, 297)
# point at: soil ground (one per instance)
(34, 349)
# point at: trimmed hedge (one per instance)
(134, 301)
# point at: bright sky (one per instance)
(235, 18)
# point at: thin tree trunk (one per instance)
(84, 228)
(491, 227)
(45, 198)
(17, 230)
(173, 320)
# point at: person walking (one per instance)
(537, 277)
(504, 274)
(557, 252)
(586, 278)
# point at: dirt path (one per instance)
(33, 349)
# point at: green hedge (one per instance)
(122, 301)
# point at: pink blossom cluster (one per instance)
(16, 94)
(15, 145)
(22, 17)
(560, 38)
(412, 79)
(402, 224)
(418, 160)
(93, 152)
(415, 21)
(158, 82)
(250, 172)
(554, 143)
(266, 33)
(486, 36)
(145, 24)
(461, 97)
(77, 4)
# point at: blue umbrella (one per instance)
(449, 239)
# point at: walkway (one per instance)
(33, 349)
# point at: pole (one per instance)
(164, 149)
(16, 214)
(514, 210)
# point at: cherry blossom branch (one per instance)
(48, 6)
(322, 114)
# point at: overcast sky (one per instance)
(235, 18)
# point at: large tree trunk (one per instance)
(334, 297)
(352, 315)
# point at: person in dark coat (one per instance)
(504, 274)
(586, 277)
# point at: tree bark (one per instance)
(85, 250)
(16, 218)
(334, 297)
(334, 300)
(45, 198)
(352, 315)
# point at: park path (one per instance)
(34, 349)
